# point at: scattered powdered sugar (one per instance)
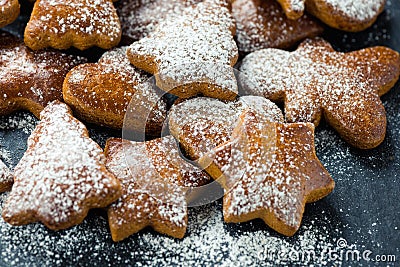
(361, 10)
(208, 242)
(195, 46)
(60, 174)
(140, 18)
(24, 121)
(262, 24)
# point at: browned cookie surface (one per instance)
(6, 178)
(316, 80)
(29, 80)
(347, 15)
(263, 24)
(9, 11)
(101, 92)
(201, 124)
(78, 23)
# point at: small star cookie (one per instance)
(270, 171)
(192, 53)
(6, 178)
(347, 15)
(61, 175)
(154, 184)
(263, 24)
(101, 92)
(9, 11)
(79, 23)
(316, 80)
(140, 18)
(30, 79)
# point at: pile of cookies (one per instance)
(225, 119)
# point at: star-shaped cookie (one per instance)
(348, 15)
(30, 79)
(61, 175)
(263, 24)
(140, 18)
(201, 124)
(6, 179)
(78, 23)
(270, 171)
(101, 92)
(9, 11)
(154, 181)
(316, 80)
(192, 53)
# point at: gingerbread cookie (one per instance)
(153, 185)
(201, 124)
(140, 18)
(6, 179)
(79, 23)
(347, 15)
(270, 171)
(100, 93)
(9, 11)
(30, 79)
(315, 80)
(192, 53)
(61, 175)
(263, 24)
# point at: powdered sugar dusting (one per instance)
(193, 47)
(30, 79)
(209, 241)
(262, 24)
(86, 19)
(362, 10)
(201, 124)
(153, 175)
(140, 18)
(101, 92)
(307, 81)
(60, 175)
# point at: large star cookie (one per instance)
(263, 24)
(153, 177)
(140, 18)
(269, 171)
(348, 15)
(30, 79)
(201, 124)
(192, 53)
(101, 92)
(6, 178)
(61, 175)
(80, 23)
(315, 80)
(9, 11)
